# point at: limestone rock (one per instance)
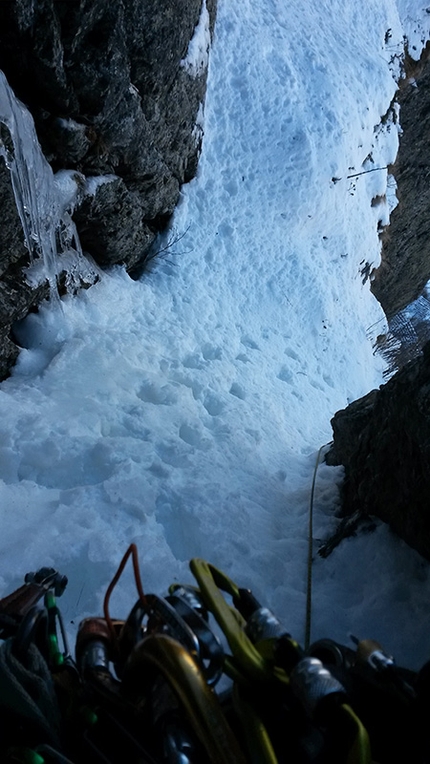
(383, 440)
(348, 426)
(111, 223)
(405, 257)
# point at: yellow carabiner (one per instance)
(257, 739)
(205, 715)
(247, 663)
(360, 749)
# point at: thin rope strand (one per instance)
(310, 543)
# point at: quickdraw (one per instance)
(159, 687)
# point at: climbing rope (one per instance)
(307, 639)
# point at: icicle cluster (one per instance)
(44, 200)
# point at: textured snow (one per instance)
(184, 412)
(415, 20)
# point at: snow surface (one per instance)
(184, 412)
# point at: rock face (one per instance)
(405, 256)
(115, 88)
(383, 440)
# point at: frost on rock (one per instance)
(44, 201)
(391, 193)
(197, 57)
(198, 129)
(94, 182)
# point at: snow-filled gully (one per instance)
(183, 412)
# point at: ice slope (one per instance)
(184, 412)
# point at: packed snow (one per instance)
(184, 411)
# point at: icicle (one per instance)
(44, 212)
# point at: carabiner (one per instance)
(247, 663)
(184, 676)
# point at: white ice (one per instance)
(184, 412)
(44, 201)
(196, 60)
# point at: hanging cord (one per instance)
(310, 544)
(131, 551)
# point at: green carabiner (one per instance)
(55, 655)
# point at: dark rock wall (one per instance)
(383, 440)
(106, 88)
(405, 256)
